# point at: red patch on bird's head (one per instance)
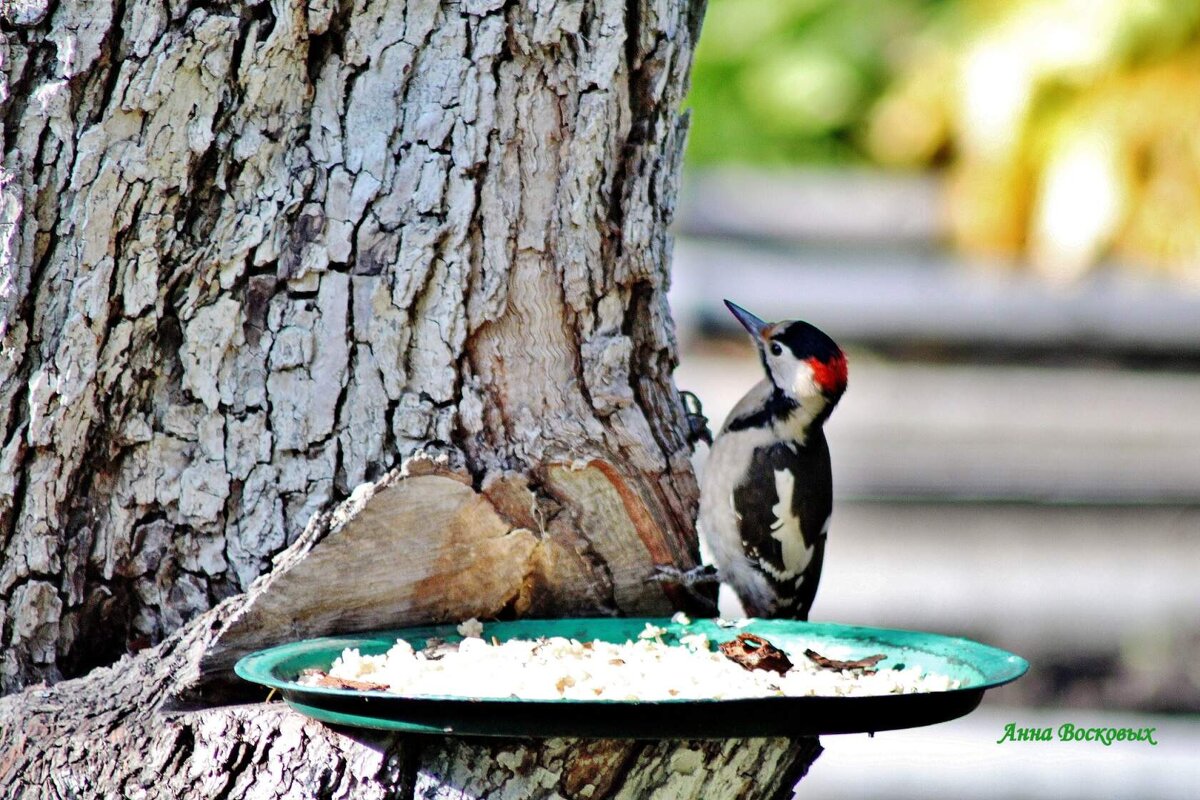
(830, 375)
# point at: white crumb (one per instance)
(647, 669)
(470, 629)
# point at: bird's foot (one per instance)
(697, 423)
(699, 583)
(702, 575)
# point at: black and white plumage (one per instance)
(767, 494)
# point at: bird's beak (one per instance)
(750, 322)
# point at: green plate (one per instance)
(978, 666)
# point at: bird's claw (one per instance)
(695, 583)
(696, 576)
(697, 423)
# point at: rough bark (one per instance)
(133, 730)
(255, 254)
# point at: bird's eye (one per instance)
(776, 349)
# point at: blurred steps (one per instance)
(972, 499)
(960, 760)
(910, 432)
(1086, 579)
(863, 207)
(1014, 462)
(1052, 512)
(897, 298)
(863, 254)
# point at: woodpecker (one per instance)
(767, 493)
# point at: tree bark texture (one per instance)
(253, 254)
(129, 730)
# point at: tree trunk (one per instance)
(158, 744)
(256, 254)
(259, 254)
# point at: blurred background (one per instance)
(995, 207)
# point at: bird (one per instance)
(766, 495)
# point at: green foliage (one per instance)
(786, 81)
(1068, 127)
(1067, 130)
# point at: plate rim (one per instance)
(257, 667)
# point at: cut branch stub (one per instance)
(429, 548)
(625, 535)
(424, 549)
(336, 575)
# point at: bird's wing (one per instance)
(752, 401)
(784, 506)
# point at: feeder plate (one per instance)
(978, 666)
